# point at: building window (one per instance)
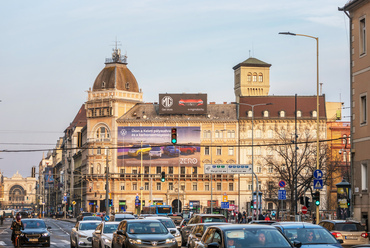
(127, 85)
(299, 113)
(195, 187)
(259, 169)
(98, 151)
(170, 170)
(230, 134)
(259, 185)
(218, 186)
(195, 170)
(182, 170)
(206, 150)
(364, 176)
(92, 170)
(282, 113)
(249, 77)
(258, 150)
(146, 186)
(146, 170)
(270, 169)
(249, 186)
(122, 186)
(134, 171)
(159, 186)
(266, 113)
(218, 134)
(170, 186)
(102, 133)
(254, 77)
(159, 170)
(249, 133)
(219, 151)
(134, 186)
(250, 113)
(122, 171)
(182, 186)
(362, 36)
(314, 113)
(206, 187)
(206, 134)
(270, 152)
(231, 187)
(260, 77)
(363, 110)
(231, 151)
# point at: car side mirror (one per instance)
(49, 227)
(213, 245)
(173, 231)
(120, 232)
(297, 243)
(98, 231)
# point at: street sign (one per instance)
(282, 194)
(224, 198)
(304, 210)
(74, 203)
(318, 184)
(317, 174)
(282, 184)
(224, 204)
(227, 169)
(137, 197)
(65, 198)
(106, 218)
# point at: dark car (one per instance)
(310, 235)
(120, 217)
(83, 214)
(171, 151)
(59, 214)
(263, 222)
(142, 233)
(244, 235)
(351, 232)
(24, 214)
(198, 230)
(35, 233)
(199, 218)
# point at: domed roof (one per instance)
(116, 75)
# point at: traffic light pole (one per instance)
(106, 186)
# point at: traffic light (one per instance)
(110, 202)
(316, 198)
(252, 204)
(163, 177)
(174, 135)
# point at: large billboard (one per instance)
(182, 103)
(152, 147)
(49, 179)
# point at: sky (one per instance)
(52, 51)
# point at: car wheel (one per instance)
(47, 245)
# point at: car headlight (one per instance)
(170, 241)
(107, 240)
(82, 236)
(135, 241)
(45, 234)
(177, 234)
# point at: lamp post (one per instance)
(252, 106)
(317, 106)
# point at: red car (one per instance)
(188, 149)
(191, 102)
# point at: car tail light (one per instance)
(364, 235)
(337, 235)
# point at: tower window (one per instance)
(103, 84)
(249, 77)
(127, 85)
(260, 77)
(254, 77)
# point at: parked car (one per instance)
(188, 149)
(171, 151)
(35, 233)
(155, 152)
(102, 236)
(143, 233)
(170, 226)
(137, 150)
(198, 230)
(120, 217)
(263, 222)
(81, 234)
(92, 218)
(244, 235)
(83, 214)
(351, 232)
(199, 218)
(310, 235)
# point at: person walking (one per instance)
(239, 217)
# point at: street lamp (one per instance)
(252, 106)
(317, 105)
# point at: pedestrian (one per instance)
(261, 217)
(267, 217)
(239, 217)
(2, 218)
(244, 217)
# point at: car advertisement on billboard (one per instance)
(152, 146)
(182, 103)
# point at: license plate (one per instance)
(350, 238)
(33, 240)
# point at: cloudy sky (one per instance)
(52, 51)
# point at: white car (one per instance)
(155, 152)
(170, 226)
(102, 236)
(81, 234)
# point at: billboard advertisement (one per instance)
(152, 146)
(182, 103)
(49, 179)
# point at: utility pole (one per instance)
(106, 186)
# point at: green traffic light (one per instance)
(162, 180)
(174, 141)
(317, 202)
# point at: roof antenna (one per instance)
(249, 53)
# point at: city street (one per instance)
(60, 231)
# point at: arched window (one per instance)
(250, 113)
(102, 133)
(127, 86)
(260, 77)
(207, 134)
(249, 77)
(230, 134)
(299, 113)
(314, 113)
(282, 113)
(266, 113)
(254, 77)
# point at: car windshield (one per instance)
(168, 223)
(110, 228)
(31, 224)
(91, 218)
(213, 219)
(156, 148)
(123, 218)
(261, 237)
(146, 228)
(310, 235)
(348, 227)
(89, 225)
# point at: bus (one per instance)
(157, 209)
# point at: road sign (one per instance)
(225, 205)
(318, 184)
(282, 184)
(74, 203)
(304, 210)
(317, 174)
(282, 194)
(137, 197)
(65, 198)
(106, 218)
(224, 198)
(227, 169)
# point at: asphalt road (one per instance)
(60, 231)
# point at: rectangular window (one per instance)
(170, 170)
(231, 151)
(170, 186)
(159, 170)
(146, 170)
(363, 110)
(259, 185)
(195, 187)
(249, 186)
(182, 170)
(158, 186)
(231, 187)
(122, 187)
(92, 170)
(206, 150)
(134, 186)
(218, 186)
(146, 186)
(182, 187)
(219, 150)
(364, 176)
(362, 36)
(206, 187)
(122, 171)
(106, 151)
(98, 151)
(195, 170)
(134, 172)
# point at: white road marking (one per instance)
(2, 243)
(65, 241)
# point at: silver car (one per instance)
(102, 236)
(81, 234)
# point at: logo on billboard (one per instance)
(123, 132)
(167, 101)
